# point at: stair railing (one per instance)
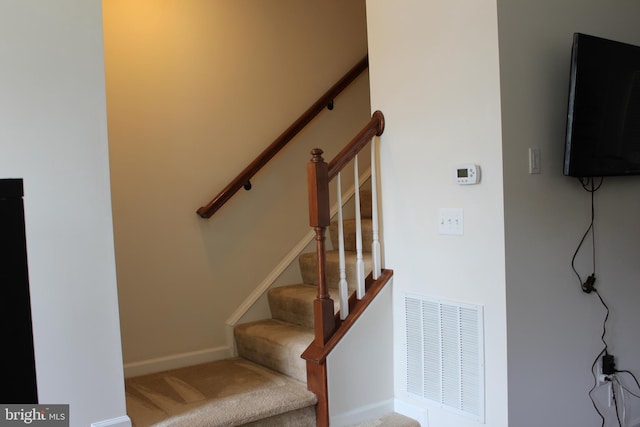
(244, 178)
(328, 327)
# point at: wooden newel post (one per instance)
(319, 219)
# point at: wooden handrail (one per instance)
(318, 354)
(374, 127)
(245, 176)
(328, 328)
(318, 176)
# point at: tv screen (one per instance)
(603, 116)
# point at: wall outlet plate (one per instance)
(451, 221)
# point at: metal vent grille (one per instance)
(445, 354)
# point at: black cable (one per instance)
(586, 181)
(595, 385)
(624, 371)
(615, 404)
(604, 324)
(586, 233)
(604, 351)
(587, 286)
(625, 388)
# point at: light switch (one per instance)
(450, 221)
(534, 160)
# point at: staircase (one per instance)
(280, 375)
(266, 384)
(277, 343)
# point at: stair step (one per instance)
(349, 228)
(309, 268)
(390, 420)
(229, 392)
(276, 345)
(294, 303)
(365, 203)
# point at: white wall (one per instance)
(554, 329)
(195, 90)
(434, 74)
(360, 367)
(53, 134)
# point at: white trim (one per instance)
(181, 360)
(268, 281)
(123, 421)
(363, 413)
(282, 266)
(411, 410)
(375, 244)
(342, 284)
(360, 291)
(231, 339)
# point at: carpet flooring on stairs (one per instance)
(390, 420)
(229, 392)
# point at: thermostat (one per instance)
(467, 174)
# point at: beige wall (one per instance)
(195, 90)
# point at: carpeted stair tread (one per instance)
(275, 344)
(265, 385)
(349, 230)
(294, 303)
(215, 394)
(304, 417)
(366, 208)
(390, 420)
(308, 263)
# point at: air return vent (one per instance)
(445, 354)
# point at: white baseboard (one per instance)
(410, 410)
(363, 413)
(123, 421)
(176, 361)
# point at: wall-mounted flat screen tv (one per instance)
(603, 116)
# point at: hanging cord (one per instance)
(603, 352)
(604, 323)
(615, 404)
(595, 384)
(588, 285)
(618, 388)
(624, 371)
(616, 381)
(623, 402)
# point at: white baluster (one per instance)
(360, 291)
(375, 244)
(342, 285)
